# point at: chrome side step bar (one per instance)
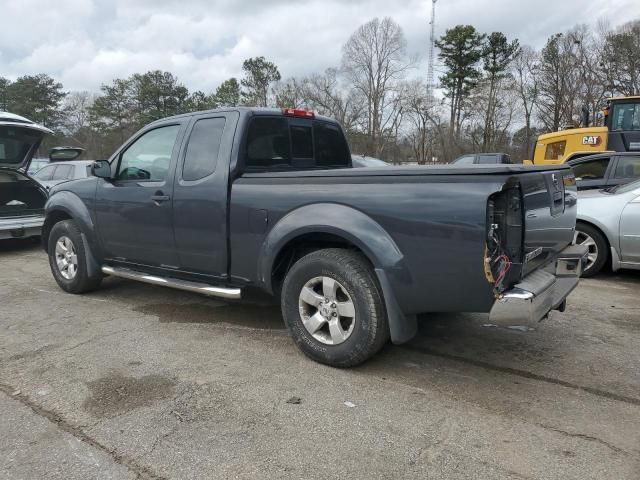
(232, 293)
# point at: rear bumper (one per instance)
(544, 290)
(21, 227)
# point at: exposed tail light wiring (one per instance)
(504, 237)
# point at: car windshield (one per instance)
(626, 187)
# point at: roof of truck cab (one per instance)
(241, 110)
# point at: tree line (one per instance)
(493, 94)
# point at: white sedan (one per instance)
(608, 224)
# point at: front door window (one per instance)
(148, 158)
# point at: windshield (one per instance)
(626, 116)
(16, 144)
(627, 187)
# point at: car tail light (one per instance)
(503, 252)
(296, 112)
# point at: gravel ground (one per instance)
(135, 381)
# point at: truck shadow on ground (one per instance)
(263, 317)
(19, 245)
(457, 333)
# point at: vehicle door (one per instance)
(200, 194)
(591, 173)
(630, 230)
(133, 207)
(625, 169)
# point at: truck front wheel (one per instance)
(68, 259)
(333, 307)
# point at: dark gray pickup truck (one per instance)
(219, 201)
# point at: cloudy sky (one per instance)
(84, 43)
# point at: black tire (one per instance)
(356, 278)
(601, 248)
(81, 282)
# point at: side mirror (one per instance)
(101, 169)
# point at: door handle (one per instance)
(160, 198)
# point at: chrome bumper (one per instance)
(540, 292)
(21, 227)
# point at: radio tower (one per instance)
(432, 39)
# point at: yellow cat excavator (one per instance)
(620, 133)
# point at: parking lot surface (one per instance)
(136, 381)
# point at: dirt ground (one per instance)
(136, 381)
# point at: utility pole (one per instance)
(432, 39)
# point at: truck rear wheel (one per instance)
(68, 260)
(333, 307)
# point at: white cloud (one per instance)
(84, 43)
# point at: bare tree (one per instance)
(325, 93)
(557, 82)
(76, 111)
(497, 54)
(374, 59)
(418, 119)
(591, 86)
(621, 59)
(525, 82)
(289, 93)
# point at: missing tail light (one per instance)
(503, 251)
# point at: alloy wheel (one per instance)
(581, 238)
(327, 310)
(66, 258)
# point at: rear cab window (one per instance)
(201, 156)
(282, 143)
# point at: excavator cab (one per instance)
(620, 133)
(622, 118)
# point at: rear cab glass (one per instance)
(201, 156)
(283, 143)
